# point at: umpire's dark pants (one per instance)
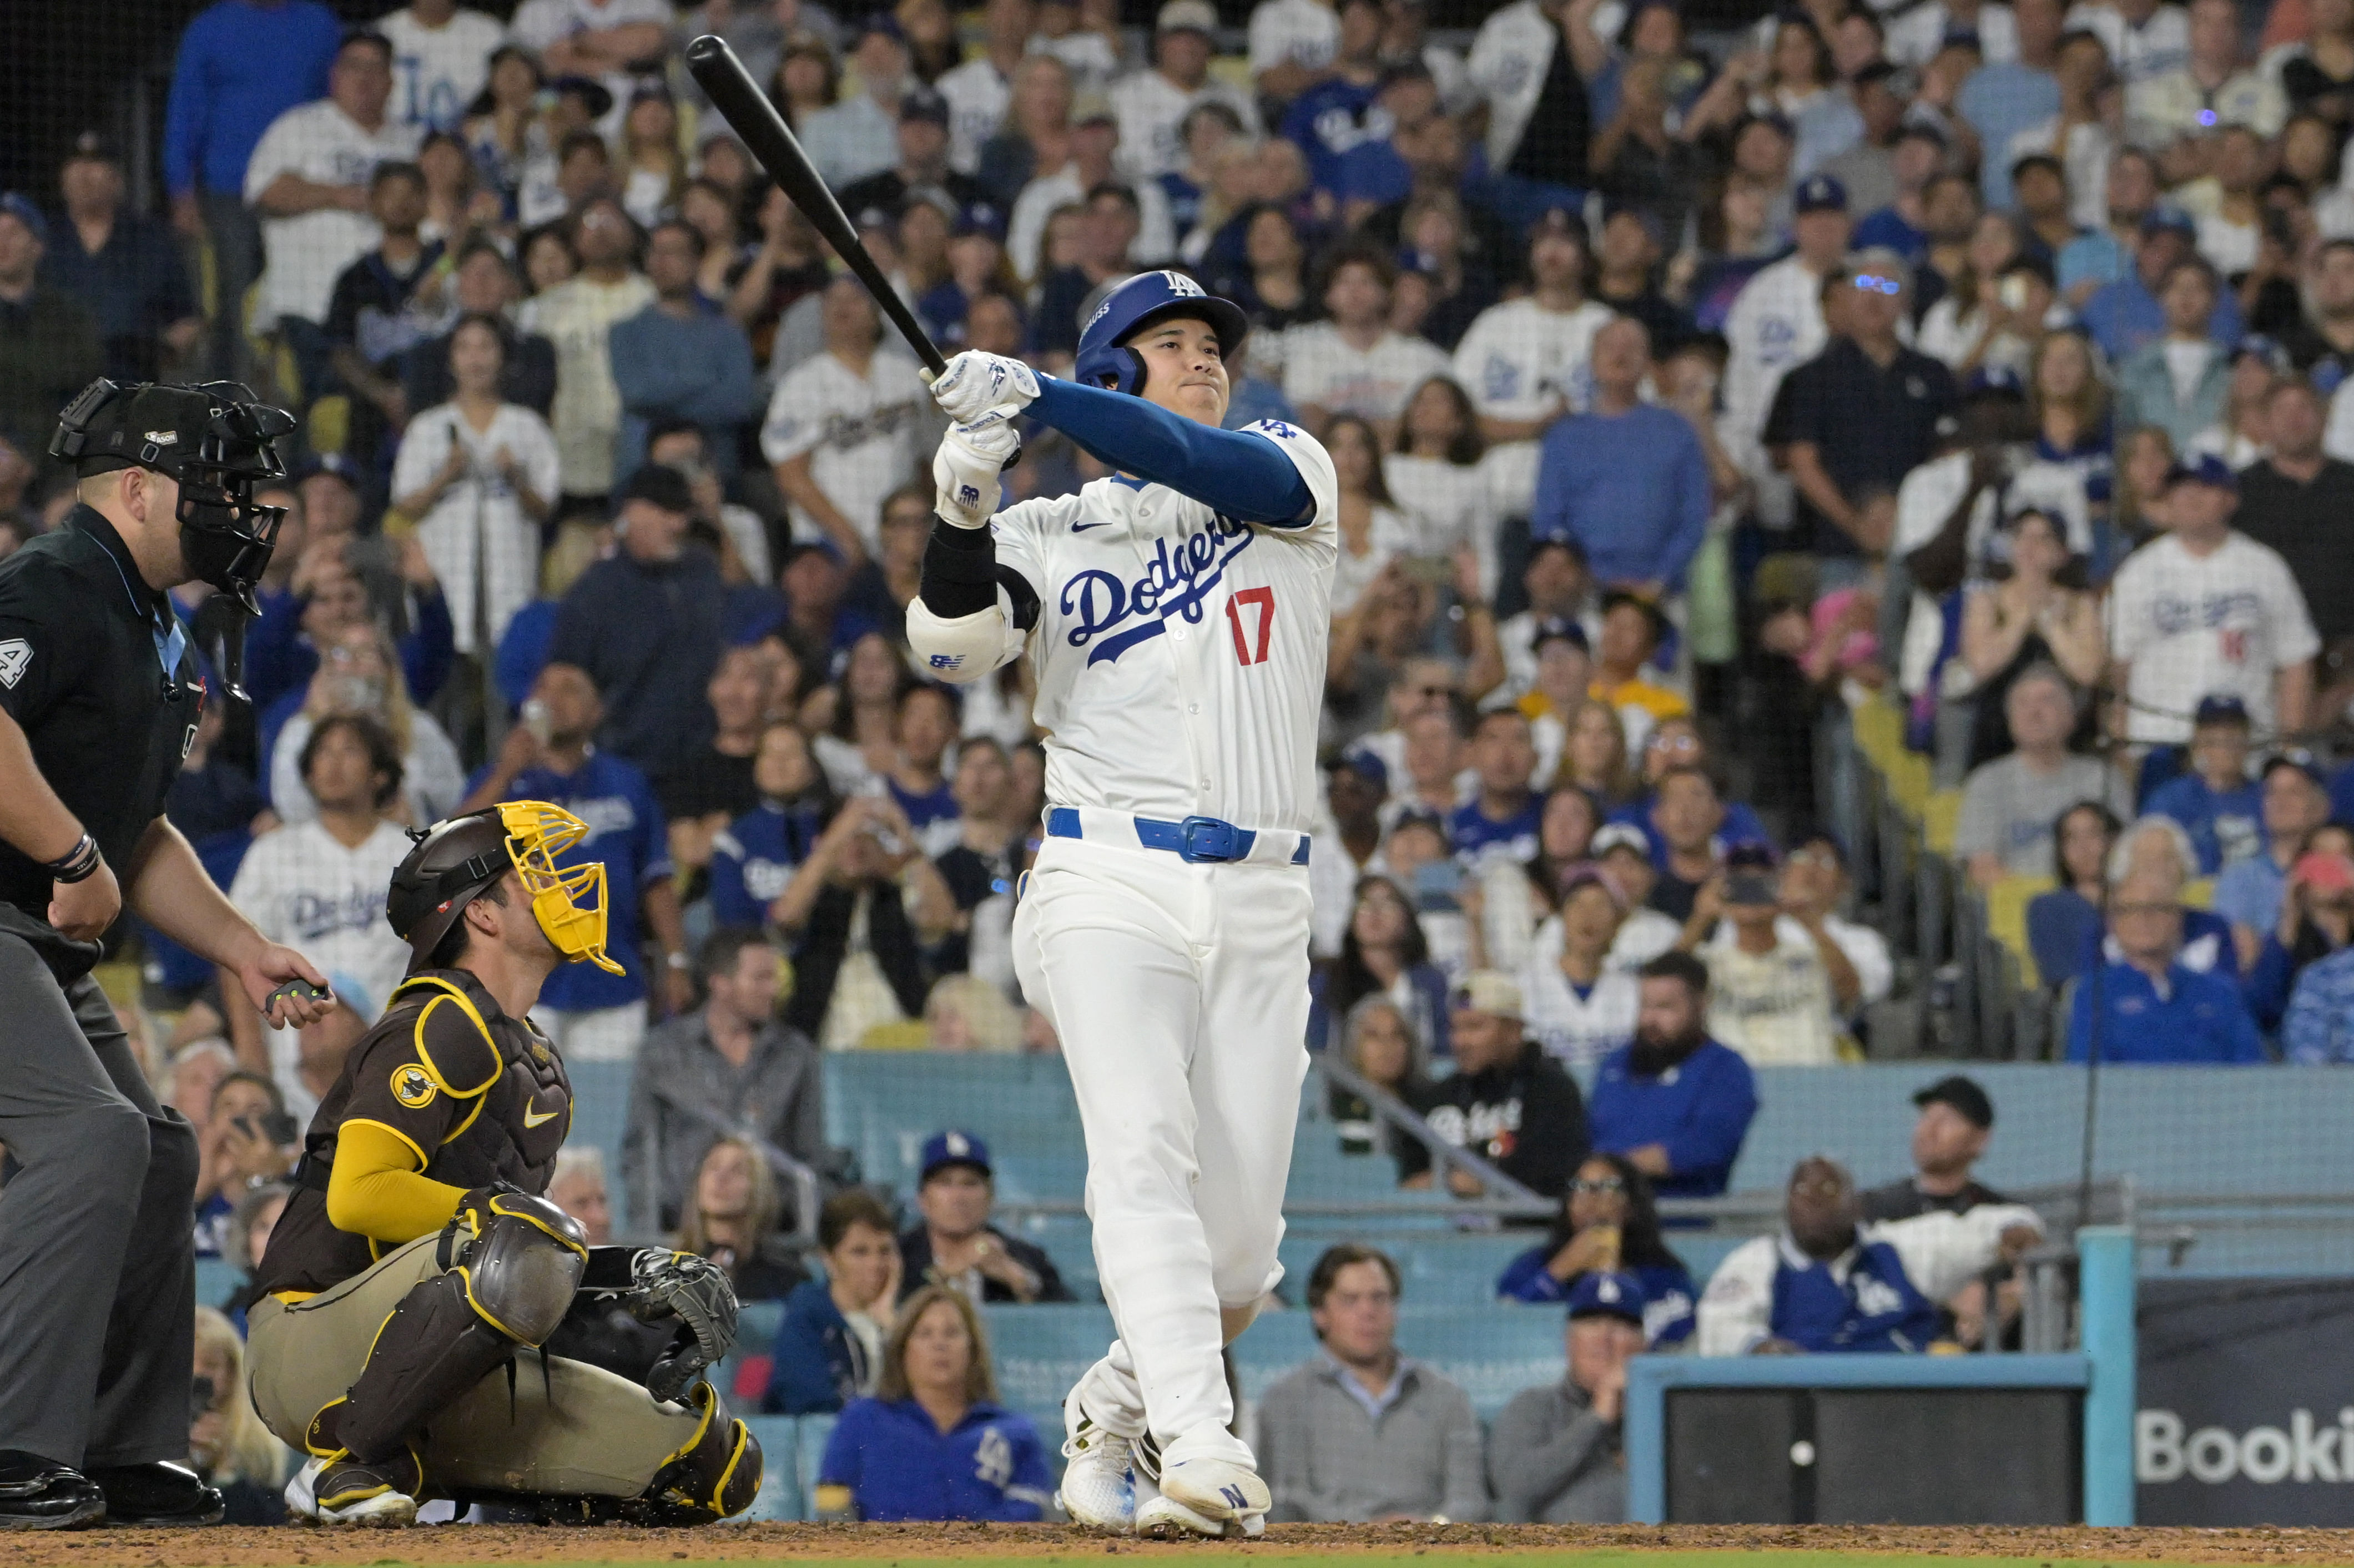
(97, 1238)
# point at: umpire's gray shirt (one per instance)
(1327, 1456)
(1554, 1461)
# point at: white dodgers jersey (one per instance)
(1180, 654)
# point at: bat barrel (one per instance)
(752, 117)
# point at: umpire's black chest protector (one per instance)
(96, 670)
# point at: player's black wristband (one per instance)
(959, 570)
(77, 863)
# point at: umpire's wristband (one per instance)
(77, 863)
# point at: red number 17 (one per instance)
(1263, 600)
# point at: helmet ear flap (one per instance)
(1132, 377)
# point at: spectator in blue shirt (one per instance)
(241, 64)
(829, 1349)
(2064, 924)
(1340, 123)
(596, 1013)
(2215, 802)
(933, 1442)
(755, 856)
(2248, 893)
(2124, 317)
(1627, 480)
(1608, 1223)
(2316, 921)
(2092, 261)
(2003, 97)
(2319, 1029)
(1501, 817)
(648, 624)
(1675, 1103)
(124, 268)
(674, 360)
(2143, 1005)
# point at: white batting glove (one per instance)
(966, 468)
(977, 384)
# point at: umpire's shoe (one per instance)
(41, 1494)
(161, 1493)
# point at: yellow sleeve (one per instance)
(375, 1189)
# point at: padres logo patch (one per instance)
(413, 1086)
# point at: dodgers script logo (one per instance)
(1174, 582)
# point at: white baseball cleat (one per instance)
(355, 1496)
(1209, 1488)
(1097, 1489)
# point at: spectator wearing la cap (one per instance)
(1674, 1102)
(2295, 802)
(1506, 1101)
(2247, 634)
(956, 1247)
(124, 268)
(48, 341)
(1556, 1455)
(1777, 990)
(1626, 478)
(2214, 800)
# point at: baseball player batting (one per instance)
(1176, 615)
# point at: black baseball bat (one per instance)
(750, 113)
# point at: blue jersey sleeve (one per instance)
(1231, 471)
(1525, 1279)
(651, 848)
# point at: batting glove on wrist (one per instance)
(965, 470)
(976, 384)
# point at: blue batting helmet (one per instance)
(1145, 301)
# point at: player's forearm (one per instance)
(1232, 472)
(663, 916)
(168, 886)
(32, 817)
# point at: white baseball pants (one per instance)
(1179, 993)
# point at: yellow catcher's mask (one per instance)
(569, 905)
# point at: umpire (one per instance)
(98, 698)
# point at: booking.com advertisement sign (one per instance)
(2246, 1402)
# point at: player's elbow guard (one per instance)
(964, 648)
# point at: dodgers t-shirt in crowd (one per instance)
(1478, 836)
(626, 832)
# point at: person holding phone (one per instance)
(1772, 992)
(246, 1140)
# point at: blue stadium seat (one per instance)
(600, 1111)
(217, 1280)
(809, 1439)
(782, 1495)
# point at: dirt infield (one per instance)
(306, 1548)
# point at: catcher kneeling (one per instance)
(433, 1326)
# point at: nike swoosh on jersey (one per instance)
(1083, 527)
(529, 1119)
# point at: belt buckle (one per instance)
(1206, 838)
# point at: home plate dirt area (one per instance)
(1019, 1546)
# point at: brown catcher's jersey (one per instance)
(479, 1096)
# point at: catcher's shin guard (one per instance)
(432, 1348)
(715, 1476)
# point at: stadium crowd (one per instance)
(1987, 360)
